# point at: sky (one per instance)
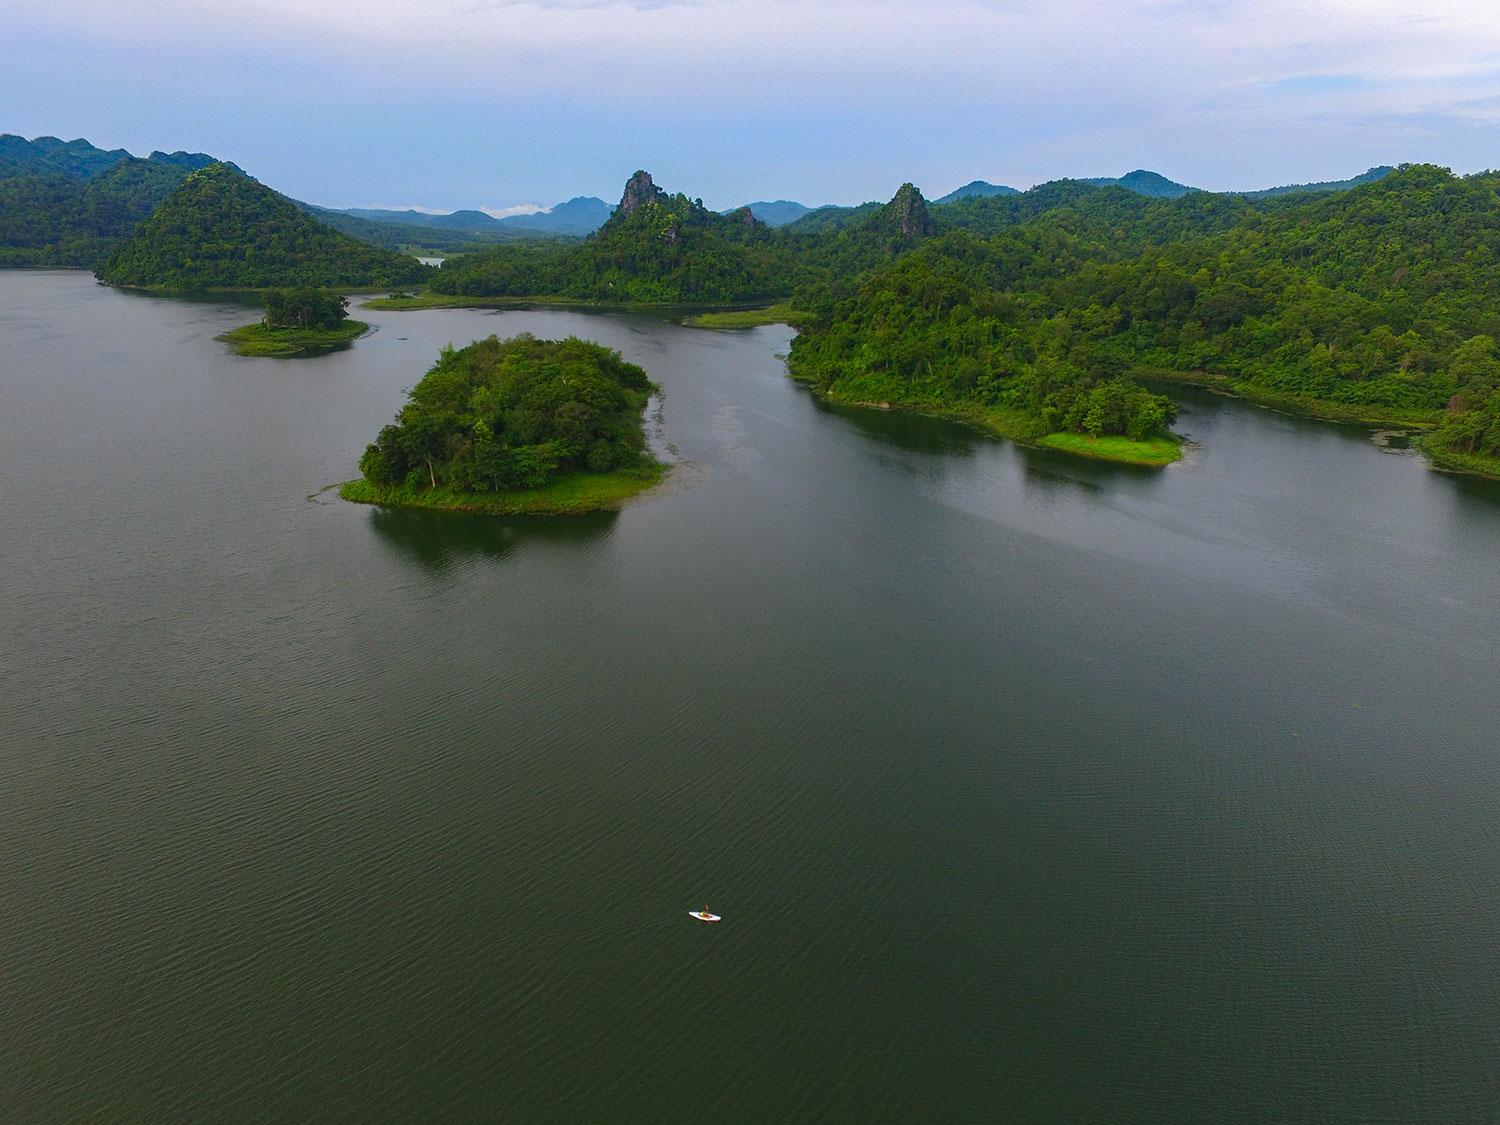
(442, 104)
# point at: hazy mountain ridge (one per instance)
(1153, 185)
(1369, 177)
(66, 203)
(395, 235)
(775, 212)
(975, 188)
(581, 215)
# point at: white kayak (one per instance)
(704, 916)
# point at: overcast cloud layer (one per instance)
(491, 103)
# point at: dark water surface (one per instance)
(1028, 787)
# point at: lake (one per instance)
(1028, 787)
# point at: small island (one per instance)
(298, 322)
(515, 426)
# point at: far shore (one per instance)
(697, 316)
(1321, 409)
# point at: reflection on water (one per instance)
(242, 299)
(1206, 754)
(905, 430)
(944, 440)
(1471, 488)
(436, 540)
(1049, 467)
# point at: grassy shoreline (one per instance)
(1321, 409)
(288, 343)
(774, 314)
(246, 291)
(572, 495)
(1445, 460)
(745, 318)
(1153, 453)
(1156, 452)
(1453, 461)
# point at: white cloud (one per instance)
(971, 46)
(1020, 90)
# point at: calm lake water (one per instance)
(1028, 787)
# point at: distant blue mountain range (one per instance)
(1323, 186)
(578, 216)
(976, 188)
(1157, 186)
(583, 214)
(778, 212)
(78, 160)
(1151, 184)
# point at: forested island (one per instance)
(518, 425)
(298, 322)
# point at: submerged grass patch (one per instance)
(260, 340)
(1155, 452)
(430, 300)
(1478, 464)
(744, 318)
(571, 495)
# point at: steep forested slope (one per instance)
(222, 229)
(69, 203)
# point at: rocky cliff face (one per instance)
(639, 190)
(672, 217)
(908, 212)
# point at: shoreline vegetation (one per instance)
(1456, 461)
(260, 339)
(1425, 421)
(577, 494)
(782, 313)
(1153, 452)
(1323, 410)
(691, 316)
(430, 300)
